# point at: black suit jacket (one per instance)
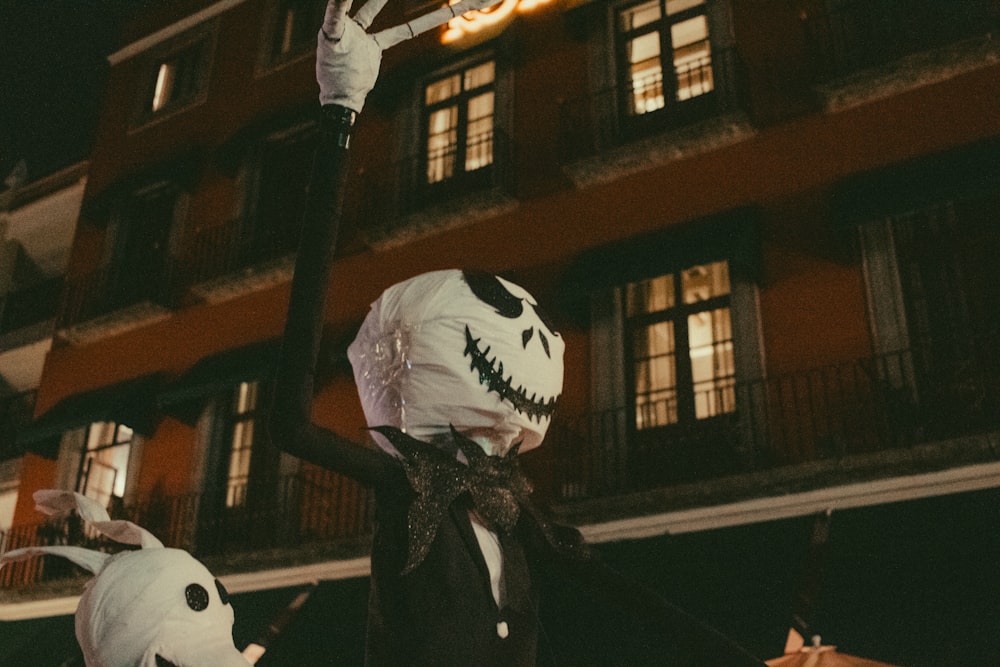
(443, 611)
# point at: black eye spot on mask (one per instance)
(196, 597)
(545, 344)
(223, 593)
(491, 291)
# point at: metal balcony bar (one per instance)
(317, 507)
(702, 88)
(865, 406)
(419, 182)
(861, 407)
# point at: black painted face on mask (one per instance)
(492, 292)
(488, 289)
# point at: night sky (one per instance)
(52, 71)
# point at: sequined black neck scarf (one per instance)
(495, 483)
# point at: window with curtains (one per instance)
(458, 123)
(665, 55)
(104, 463)
(680, 346)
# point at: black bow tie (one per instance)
(495, 483)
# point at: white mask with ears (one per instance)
(459, 348)
(148, 607)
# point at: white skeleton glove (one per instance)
(348, 57)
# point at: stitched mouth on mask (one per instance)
(163, 662)
(492, 376)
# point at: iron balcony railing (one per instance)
(699, 90)
(485, 163)
(211, 253)
(847, 36)
(865, 406)
(109, 289)
(293, 512)
(891, 401)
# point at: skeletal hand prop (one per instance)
(147, 607)
(348, 57)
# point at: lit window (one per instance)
(459, 113)
(177, 80)
(681, 346)
(105, 462)
(244, 422)
(175, 77)
(8, 500)
(667, 53)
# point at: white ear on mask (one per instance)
(53, 502)
(145, 605)
(90, 560)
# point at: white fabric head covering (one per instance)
(141, 603)
(457, 348)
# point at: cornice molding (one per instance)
(142, 45)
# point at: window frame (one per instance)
(674, 111)
(685, 397)
(461, 178)
(237, 486)
(153, 235)
(89, 453)
(195, 50)
(308, 15)
(255, 227)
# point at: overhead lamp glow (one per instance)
(476, 21)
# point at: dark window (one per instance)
(138, 268)
(279, 195)
(295, 26)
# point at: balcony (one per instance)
(316, 512)
(705, 89)
(860, 419)
(400, 199)
(866, 419)
(849, 36)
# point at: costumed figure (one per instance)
(457, 372)
(146, 607)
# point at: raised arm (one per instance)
(348, 59)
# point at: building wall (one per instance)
(785, 167)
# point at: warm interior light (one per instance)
(164, 86)
(472, 22)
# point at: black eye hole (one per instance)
(491, 291)
(196, 596)
(526, 336)
(223, 593)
